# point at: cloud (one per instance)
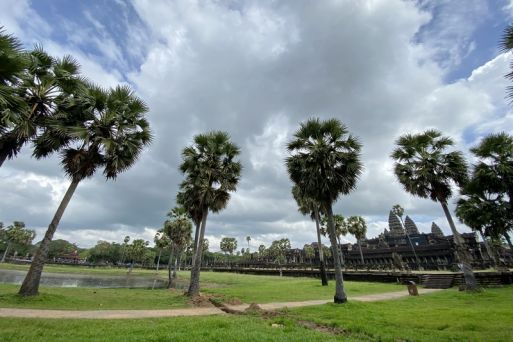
(256, 69)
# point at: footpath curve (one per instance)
(124, 314)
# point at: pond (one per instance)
(86, 280)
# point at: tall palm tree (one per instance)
(178, 232)
(248, 239)
(492, 177)
(357, 226)
(485, 215)
(340, 229)
(46, 83)
(324, 163)
(426, 169)
(211, 174)
(399, 212)
(13, 64)
(96, 129)
(307, 206)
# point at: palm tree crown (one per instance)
(99, 129)
(425, 169)
(13, 63)
(324, 160)
(46, 83)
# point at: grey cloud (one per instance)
(256, 71)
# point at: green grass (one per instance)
(212, 328)
(92, 299)
(443, 316)
(266, 289)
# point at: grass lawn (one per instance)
(266, 289)
(442, 316)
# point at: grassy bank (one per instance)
(93, 299)
(246, 288)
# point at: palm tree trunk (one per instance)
(175, 267)
(196, 266)
(489, 250)
(158, 259)
(509, 241)
(342, 261)
(169, 278)
(6, 250)
(461, 253)
(322, 266)
(361, 253)
(196, 237)
(340, 295)
(30, 286)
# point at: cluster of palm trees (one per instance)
(46, 102)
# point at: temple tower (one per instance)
(410, 226)
(435, 230)
(396, 228)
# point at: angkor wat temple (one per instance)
(407, 248)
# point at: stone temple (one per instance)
(433, 250)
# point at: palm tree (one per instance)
(125, 246)
(340, 230)
(324, 163)
(13, 64)
(357, 226)
(17, 234)
(46, 84)
(399, 212)
(212, 173)
(97, 129)
(425, 169)
(485, 215)
(248, 239)
(492, 177)
(307, 206)
(178, 232)
(161, 241)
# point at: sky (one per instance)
(256, 69)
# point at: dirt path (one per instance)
(119, 314)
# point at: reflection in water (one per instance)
(82, 280)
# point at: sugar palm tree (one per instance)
(178, 231)
(307, 206)
(211, 174)
(94, 130)
(340, 229)
(399, 212)
(13, 63)
(357, 226)
(248, 239)
(427, 170)
(46, 83)
(324, 163)
(492, 176)
(485, 215)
